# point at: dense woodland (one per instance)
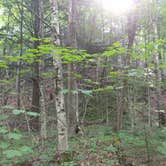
(82, 83)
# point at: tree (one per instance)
(35, 79)
(72, 98)
(20, 54)
(58, 82)
(43, 108)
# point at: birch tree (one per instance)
(43, 109)
(58, 82)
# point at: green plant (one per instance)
(14, 148)
(71, 163)
(111, 148)
(162, 148)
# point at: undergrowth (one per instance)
(99, 146)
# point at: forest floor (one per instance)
(99, 146)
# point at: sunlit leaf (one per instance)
(18, 112)
(35, 114)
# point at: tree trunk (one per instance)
(161, 114)
(43, 116)
(35, 79)
(159, 80)
(58, 83)
(19, 62)
(43, 109)
(72, 98)
(131, 30)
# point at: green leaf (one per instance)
(5, 82)
(111, 149)
(12, 153)
(18, 112)
(109, 88)
(91, 82)
(162, 148)
(115, 73)
(35, 39)
(79, 76)
(4, 145)
(65, 91)
(8, 107)
(86, 92)
(74, 91)
(106, 89)
(26, 150)
(3, 65)
(35, 114)
(3, 130)
(15, 136)
(47, 40)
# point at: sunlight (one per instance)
(117, 7)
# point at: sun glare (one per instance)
(117, 6)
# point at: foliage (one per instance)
(116, 82)
(13, 148)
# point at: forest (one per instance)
(83, 83)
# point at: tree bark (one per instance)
(36, 88)
(43, 109)
(58, 82)
(19, 62)
(72, 98)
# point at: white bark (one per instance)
(58, 82)
(43, 110)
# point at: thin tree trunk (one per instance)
(72, 98)
(43, 116)
(19, 62)
(35, 79)
(159, 79)
(161, 116)
(43, 109)
(58, 82)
